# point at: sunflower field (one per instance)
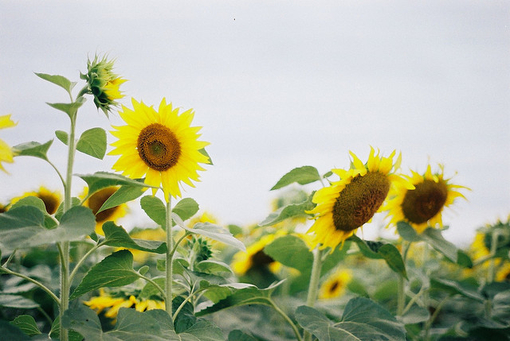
(70, 271)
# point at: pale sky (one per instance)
(278, 85)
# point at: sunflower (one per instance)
(335, 285)
(96, 200)
(422, 206)
(352, 201)
(162, 145)
(103, 83)
(255, 257)
(503, 273)
(6, 153)
(51, 199)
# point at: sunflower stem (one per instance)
(65, 245)
(169, 257)
(401, 294)
(313, 287)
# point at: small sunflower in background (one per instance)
(503, 273)
(6, 152)
(347, 204)
(480, 249)
(103, 84)
(160, 145)
(96, 201)
(422, 206)
(156, 234)
(335, 285)
(110, 303)
(51, 199)
(254, 257)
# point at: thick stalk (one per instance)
(64, 246)
(169, 258)
(313, 287)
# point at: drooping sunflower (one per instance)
(335, 285)
(103, 84)
(352, 201)
(160, 145)
(423, 206)
(6, 153)
(96, 201)
(51, 199)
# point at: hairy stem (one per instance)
(169, 258)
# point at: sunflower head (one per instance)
(352, 201)
(255, 257)
(6, 152)
(51, 199)
(103, 84)
(335, 285)
(160, 145)
(498, 232)
(96, 201)
(422, 206)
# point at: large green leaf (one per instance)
(101, 180)
(27, 324)
(362, 320)
(155, 209)
(23, 227)
(382, 250)
(455, 287)
(249, 294)
(34, 149)
(186, 208)
(124, 194)
(10, 332)
(17, 301)
(93, 142)
(118, 237)
(214, 232)
(291, 251)
(59, 80)
(302, 175)
(116, 270)
(288, 211)
(69, 108)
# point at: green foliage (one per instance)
(100, 180)
(114, 271)
(362, 320)
(124, 194)
(289, 211)
(302, 175)
(91, 142)
(118, 237)
(61, 81)
(27, 324)
(69, 108)
(34, 149)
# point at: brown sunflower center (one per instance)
(359, 200)
(50, 202)
(260, 259)
(425, 201)
(158, 147)
(97, 200)
(335, 285)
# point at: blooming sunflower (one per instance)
(103, 83)
(6, 153)
(335, 285)
(96, 201)
(51, 199)
(352, 201)
(422, 206)
(162, 145)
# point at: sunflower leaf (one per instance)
(10, 332)
(155, 209)
(118, 237)
(302, 175)
(59, 80)
(435, 239)
(205, 153)
(291, 251)
(17, 301)
(23, 227)
(289, 211)
(34, 149)
(93, 142)
(69, 108)
(122, 195)
(362, 319)
(27, 324)
(248, 294)
(186, 208)
(116, 270)
(100, 180)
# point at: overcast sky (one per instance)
(278, 85)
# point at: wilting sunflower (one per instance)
(51, 199)
(423, 206)
(6, 153)
(335, 285)
(160, 145)
(103, 83)
(347, 204)
(96, 201)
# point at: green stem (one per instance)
(169, 258)
(39, 284)
(492, 264)
(313, 287)
(160, 289)
(64, 246)
(287, 318)
(431, 320)
(80, 262)
(401, 294)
